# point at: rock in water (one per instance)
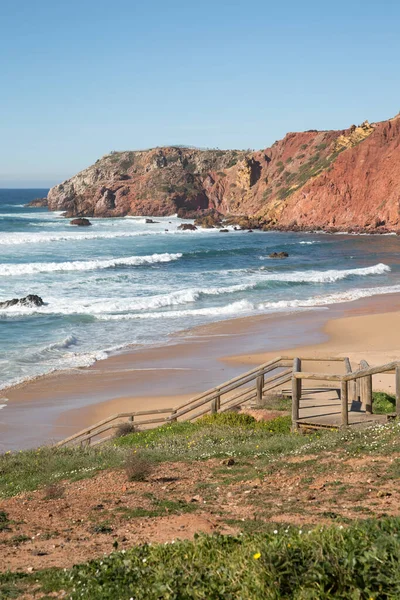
(37, 203)
(187, 227)
(279, 255)
(81, 222)
(30, 300)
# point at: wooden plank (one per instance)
(371, 371)
(366, 389)
(295, 395)
(344, 403)
(113, 418)
(398, 391)
(351, 386)
(259, 388)
(315, 358)
(252, 372)
(318, 376)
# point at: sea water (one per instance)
(126, 282)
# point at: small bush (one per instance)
(230, 419)
(383, 403)
(137, 467)
(103, 527)
(54, 491)
(276, 402)
(124, 429)
(4, 521)
(278, 425)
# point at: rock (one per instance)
(224, 230)
(279, 255)
(187, 227)
(229, 462)
(195, 499)
(81, 222)
(250, 231)
(383, 494)
(30, 300)
(150, 221)
(37, 203)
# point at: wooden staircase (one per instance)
(342, 399)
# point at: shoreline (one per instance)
(64, 402)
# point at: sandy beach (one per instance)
(57, 405)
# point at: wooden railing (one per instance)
(249, 387)
(356, 385)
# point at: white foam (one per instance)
(7, 270)
(325, 276)
(339, 297)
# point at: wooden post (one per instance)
(259, 388)
(344, 401)
(173, 418)
(214, 406)
(366, 389)
(131, 419)
(351, 387)
(398, 391)
(296, 395)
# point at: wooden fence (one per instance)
(355, 386)
(249, 388)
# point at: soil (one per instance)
(96, 516)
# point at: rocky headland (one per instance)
(347, 180)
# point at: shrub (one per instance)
(124, 429)
(383, 403)
(4, 521)
(137, 467)
(230, 419)
(279, 425)
(276, 402)
(358, 562)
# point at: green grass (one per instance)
(361, 561)
(383, 403)
(267, 442)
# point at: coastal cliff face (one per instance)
(343, 180)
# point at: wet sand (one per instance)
(55, 406)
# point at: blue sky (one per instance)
(79, 79)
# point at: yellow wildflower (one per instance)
(257, 555)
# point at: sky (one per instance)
(81, 78)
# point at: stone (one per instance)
(81, 222)
(30, 300)
(279, 255)
(187, 227)
(37, 203)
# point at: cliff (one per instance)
(347, 179)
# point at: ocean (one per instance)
(124, 282)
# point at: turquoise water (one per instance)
(123, 282)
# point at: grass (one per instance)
(360, 561)
(383, 403)
(268, 442)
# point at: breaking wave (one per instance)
(7, 270)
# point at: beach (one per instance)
(57, 405)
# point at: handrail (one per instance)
(211, 401)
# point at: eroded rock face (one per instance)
(335, 180)
(30, 300)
